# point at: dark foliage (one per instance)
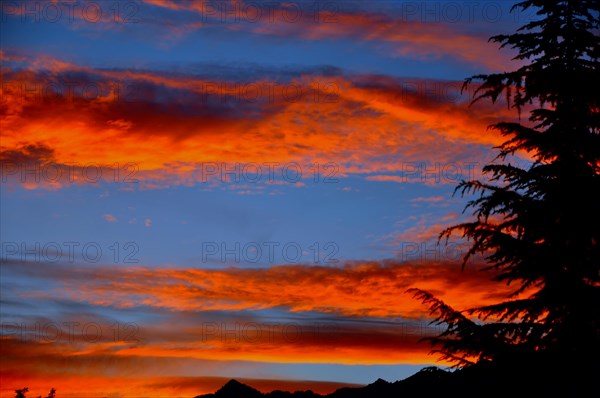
(21, 393)
(539, 226)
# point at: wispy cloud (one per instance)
(109, 218)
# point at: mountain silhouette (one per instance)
(234, 388)
(484, 379)
(432, 380)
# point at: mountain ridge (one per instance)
(379, 388)
(483, 379)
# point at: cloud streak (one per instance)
(355, 313)
(170, 125)
(406, 34)
(352, 289)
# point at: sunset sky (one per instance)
(194, 191)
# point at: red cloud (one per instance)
(364, 124)
(354, 289)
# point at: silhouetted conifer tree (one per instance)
(538, 226)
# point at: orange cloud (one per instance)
(347, 315)
(203, 337)
(162, 128)
(353, 289)
(81, 358)
(77, 362)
